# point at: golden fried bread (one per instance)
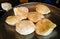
(11, 20)
(21, 12)
(26, 22)
(44, 27)
(43, 9)
(35, 16)
(25, 27)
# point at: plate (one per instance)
(54, 16)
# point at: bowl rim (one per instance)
(37, 2)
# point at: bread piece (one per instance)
(6, 6)
(25, 27)
(44, 27)
(35, 16)
(21, 12)
(11, 20)
(43, 9)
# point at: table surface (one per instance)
(2, 31)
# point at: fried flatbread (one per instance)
(44, 27)
(25, 27)
(35, 16)
(43, 9)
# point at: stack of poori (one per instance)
(26, 22)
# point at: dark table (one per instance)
(2, 31)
